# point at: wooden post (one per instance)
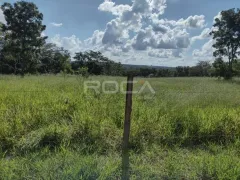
(126, 133)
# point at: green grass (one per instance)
(51, 129)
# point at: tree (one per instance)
(84, 72)
(62, 61)
(227, 38)
(220, 67)
(54, 59)
(236, 67)
(204, 67)
(182, 71)
(96, 63)
(47, 55)
(195, 71)
(1, 36)
(80, 60)
(23, 35)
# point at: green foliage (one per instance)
(50, 128)
(202, 69)
(84, 72)
(227, 37)
(96, 63)
(236, 67)
(54, 60)
(23, 38)
(220, 68)
(47, 58)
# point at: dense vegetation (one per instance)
(24, 49)
(51, 129)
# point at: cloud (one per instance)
(173, 39)
(109, 6)
(96, 38)
(72, 43)
(160, 28)
(57, 24)
(147, 7)
(114, 32)
(192, 21)
(158, 34)
(206, 51)
(138, 33)
(2, 17)
(205, 34)
(166, 53)
(43, 34)
(142, 40)
(158, 54)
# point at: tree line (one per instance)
(24, 49)
(219, 68)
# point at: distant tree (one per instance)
(54, 59)
(23, 35)
(236, 67)
(204, 67)
(4, 68)
(162, 72)
(96, 63)
(117, 69)
(182, 71)
(145, 72)
(47, 55)
(62, 61)
(226, 33)
(1, 37)
(220, 67)
(80, 60)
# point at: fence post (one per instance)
(126, 133)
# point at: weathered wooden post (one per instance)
(126, 133)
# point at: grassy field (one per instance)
(51, 129)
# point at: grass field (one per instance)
(51, 129)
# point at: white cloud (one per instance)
(205, 34)
(160, 34)
(43, 34)
(57, 24)
(114, 32)
(141, 6)
(166, 53)
(160, 28)
(147, 7)
(72, 43)
(142, 40)
(173, 39)
(206, 51)
(158, 54)
(96, 38)
(109, 6)
(192, 21)
(2, 17)
(139, 34)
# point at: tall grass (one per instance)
(51, 129)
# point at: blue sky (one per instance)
(124, 29)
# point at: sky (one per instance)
(141, 32)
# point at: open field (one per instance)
(51, 129)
